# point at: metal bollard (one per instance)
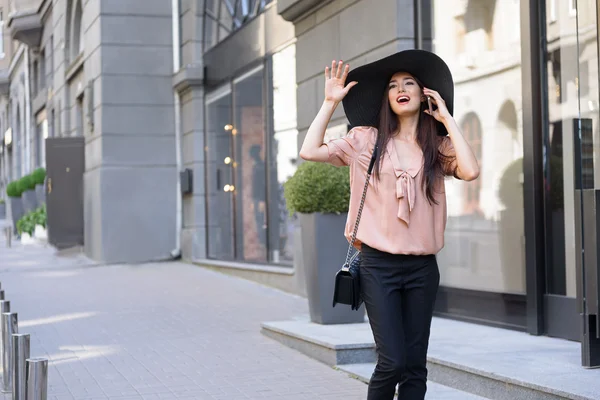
(9, 326)
(4, 308)
(20, 350)
(37, 378)
(8, 233)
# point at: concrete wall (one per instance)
(191, 92)
(130, 175)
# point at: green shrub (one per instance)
(1, 201)
(26, 183)
(38, 176)
(28, 221)
(318, 187)
(13, 189)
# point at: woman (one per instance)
(404, 214)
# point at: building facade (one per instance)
(101, 70)
(193, 112)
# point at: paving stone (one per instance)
(158, 331)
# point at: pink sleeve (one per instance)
(447, 156)
(345, 150)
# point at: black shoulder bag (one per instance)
(347, 279)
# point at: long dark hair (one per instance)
(427, 138)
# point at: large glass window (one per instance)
(563, 106)
(250, 168)
(251, 150)
(480, 41)
(283, 153)
(219, 175)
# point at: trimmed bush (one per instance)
(13, 189)
(318, 187)
(38, 176)
(26, 183)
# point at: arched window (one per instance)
(73, 30)
(77, 31)
(18, 144)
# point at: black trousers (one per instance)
(399, 293)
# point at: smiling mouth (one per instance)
(403, 99)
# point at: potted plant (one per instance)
(27, 186)
(319, 194)
(32, 225)
(39, 176)
(15, 205)
(2, 209)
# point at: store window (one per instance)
(249, 167)
(219, 175)
(484, 246)
(251, 150)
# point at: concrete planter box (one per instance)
(324, 250)
(29, 200)
(2, 211)
(15, 205)
(40, 194)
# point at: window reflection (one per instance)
(219, 176)
(480, 41)
(222, 17)
(284, 152)
(251, 152)
(250, 172)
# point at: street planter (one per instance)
(39, 176)
(319, 194)
(27, 187)
(16, 210)
(29, 200)
(324, 249)
(15, 205)
(40, 194)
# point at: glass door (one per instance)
(571, 66)
(220, 183)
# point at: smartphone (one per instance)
(429, 104)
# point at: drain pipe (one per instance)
(176, 252)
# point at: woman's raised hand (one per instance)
(335, 82)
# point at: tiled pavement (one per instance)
(161, 331)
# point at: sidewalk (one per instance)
(162, 331)
(159, 331)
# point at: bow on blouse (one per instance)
(405, 182)
(405, 192)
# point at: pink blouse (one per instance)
(397, 217)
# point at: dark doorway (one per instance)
(65, 164)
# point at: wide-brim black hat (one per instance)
(362, 104)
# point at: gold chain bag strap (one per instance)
(347, 279)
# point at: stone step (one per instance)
(435, 391)
(494, 363)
